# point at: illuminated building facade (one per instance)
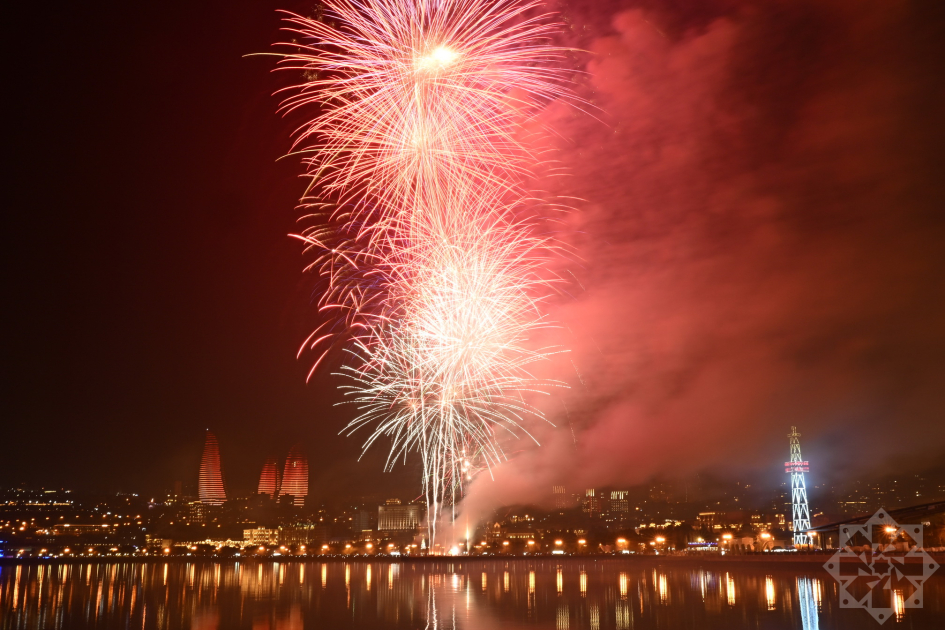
(398, 517)
(261, 536)
(592, 503)
(211, 489)
(562, 502)
(619, 502)
(269, 479)
(295, 476)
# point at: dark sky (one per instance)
(761, 243)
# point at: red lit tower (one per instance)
(269, 479)
(211, 489)
(295, 476)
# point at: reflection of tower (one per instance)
(807, 590)
(211, 489)
(800, 521)
(295, 476)
(269, 478)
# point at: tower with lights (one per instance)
(800, 518)
(210, 484)
(295, 476)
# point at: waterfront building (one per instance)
(398, 517)
(261, 536)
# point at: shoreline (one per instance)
(769, 561)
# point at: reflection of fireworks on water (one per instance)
(433, 266)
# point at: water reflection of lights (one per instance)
(898, 604)
(623, 616)
(808, 606)
(484, 581)
(16, 584)
(563, 617)
(441, 595)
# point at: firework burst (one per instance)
(435, 269)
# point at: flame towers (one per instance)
(269, 480)
(211, 489)
(295, 476)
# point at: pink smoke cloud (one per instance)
(760, 246)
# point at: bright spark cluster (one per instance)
(421, 224)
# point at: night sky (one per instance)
(760, 243)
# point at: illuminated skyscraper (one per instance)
(591, 503)
(295, 476)
(211, 489)
(269, 481)
(561, 498)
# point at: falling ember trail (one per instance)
(433, 256)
